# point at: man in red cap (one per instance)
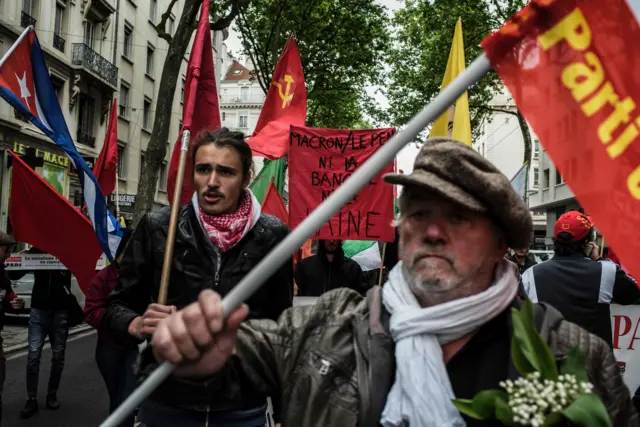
(577, 281)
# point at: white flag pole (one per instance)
(15, 45)
(345, 193)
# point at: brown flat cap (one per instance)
(6, 240)
(463, 176)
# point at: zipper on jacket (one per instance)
(206, 423)
(217, 277)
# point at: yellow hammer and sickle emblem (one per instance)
(286, 96)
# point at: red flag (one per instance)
(107, 163)
(285, 105)
(571, 67)
(200, 89)
(57, 228)
(273, 203)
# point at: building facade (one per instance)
(502, 143)
(96, 50)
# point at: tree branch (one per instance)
(494, 109)
(225, 21)
(501, 13)
(252, 50)
(161, 27)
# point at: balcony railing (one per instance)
(26, 20)
(58, 42)
(95, 63)
(86, 139)
(233, 99)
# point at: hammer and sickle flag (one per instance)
(285, 105)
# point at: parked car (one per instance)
(23, 288)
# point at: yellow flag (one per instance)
(461, 122)
(122, 222)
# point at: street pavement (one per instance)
(83, 397)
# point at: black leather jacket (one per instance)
(196, 266)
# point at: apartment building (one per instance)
(502, 143)
(96, 50)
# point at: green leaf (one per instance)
(465, 407)
(533, 347)
(553, 419)
(520, 362)
(574, 365)
(589, 411)
(504, 414)
(484, 403)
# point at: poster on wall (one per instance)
(55, 176)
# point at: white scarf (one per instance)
(422, 395)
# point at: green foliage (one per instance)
(423, 35)
(342, 45)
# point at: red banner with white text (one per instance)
(322, 159)
(572, 68)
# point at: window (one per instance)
(559, 177)
(162, 178)
(89, 33)
(146, 115)
(184, 83)
(121, 169)
(151, 55)
(244, 93)
(58, 87)
(27, 7)
(86, 113)
(536, 149)
(60, 8)
(171, 22)
(536, 173)
(545, 178)
(128, 41)
(224, 116)
(179, 127)
(243, 120)
(141, 165)
(123, 110)
(152, 10)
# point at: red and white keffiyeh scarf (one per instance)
(227, 229)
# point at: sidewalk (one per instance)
(15, 336)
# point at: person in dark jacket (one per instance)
(9, 301)
(577, 281)
(221, 235)
(115, 362)
(522, 259)
(328, 269)
(48, 317)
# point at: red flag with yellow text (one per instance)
(285, 105)
(572, 68)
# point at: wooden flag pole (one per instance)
(384, 252)
(173, 220)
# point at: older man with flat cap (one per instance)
(439, 328)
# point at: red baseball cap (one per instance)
(576, 224)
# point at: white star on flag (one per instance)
(24, 91)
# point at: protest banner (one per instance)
(625, 322)
(42, 262)
(322, 159)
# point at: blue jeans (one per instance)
(116, 364)
(43, 323)
(154, 414)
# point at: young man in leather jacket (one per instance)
(221, 235)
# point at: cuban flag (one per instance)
(26, 85)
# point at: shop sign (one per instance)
(56, 159)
